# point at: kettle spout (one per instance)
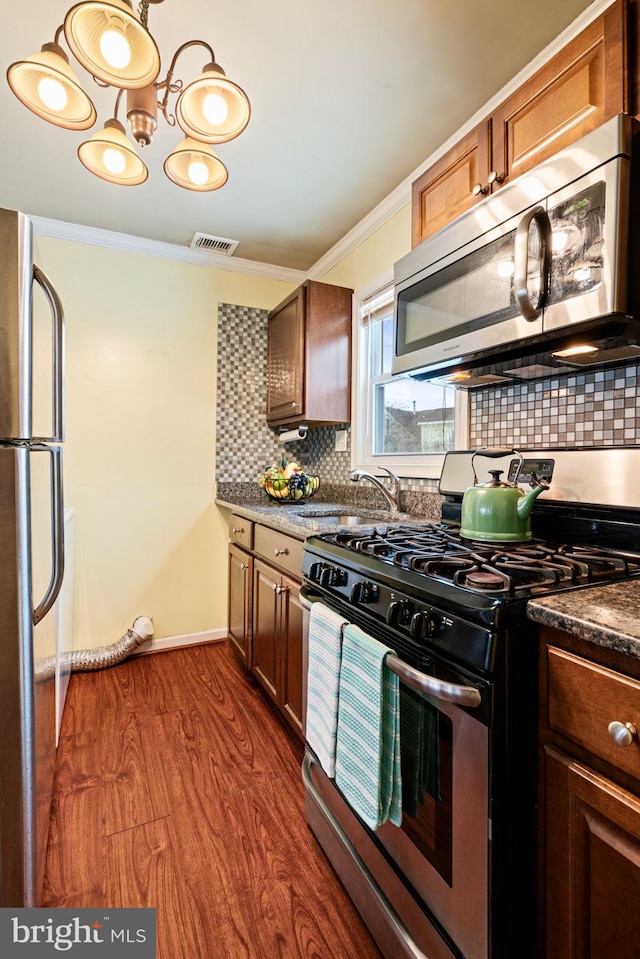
(525, 503)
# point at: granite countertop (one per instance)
(307, 519)
(604, 615)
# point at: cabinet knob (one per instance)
(479, 190)
(294, 404)
(281, 552)
(236, 530)
(622, 733)
(495, 178)
(277, 589)
(244, 567)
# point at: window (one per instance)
(403, 423)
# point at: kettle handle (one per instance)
(495, 453)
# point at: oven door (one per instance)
(423, 887)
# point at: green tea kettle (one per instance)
(499, 512)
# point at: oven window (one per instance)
(427, 776)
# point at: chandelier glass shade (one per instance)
(47, 85)
(110, 42)
(213, 109)
(111, 155)
(195, 166)
(114, 45)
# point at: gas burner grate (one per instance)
(438, 552)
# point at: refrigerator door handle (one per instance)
(57, 532)
(57, 317)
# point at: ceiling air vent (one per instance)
(214, 244)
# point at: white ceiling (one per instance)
(348, 98)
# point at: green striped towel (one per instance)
(325, 650)
(368, 739)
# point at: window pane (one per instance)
(380, 346)
(412, 417)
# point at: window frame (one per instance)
(410, 465)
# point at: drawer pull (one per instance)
(622, 733)
(281, 552)
(235, 530)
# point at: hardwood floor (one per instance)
(177, 787)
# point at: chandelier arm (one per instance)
(117, 104)
(167, 85)
(60, 30)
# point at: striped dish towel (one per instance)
(325, 650)
(368, 741)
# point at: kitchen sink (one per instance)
(352, 519)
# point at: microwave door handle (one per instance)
(521, 261)
(57, 318)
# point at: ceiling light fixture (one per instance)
(114, 45)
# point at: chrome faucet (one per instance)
(392, 495)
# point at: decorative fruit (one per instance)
(288, 482)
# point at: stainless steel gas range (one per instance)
(458, 877)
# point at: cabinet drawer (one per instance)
(584, 699)
(241, 531)
(282, 551)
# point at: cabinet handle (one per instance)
(622, 733)
(234, 530)
(277, 589)
(281, 552)
(479, 190)
(244, 567)
(495, 178)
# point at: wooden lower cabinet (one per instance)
(590, 800)
(239, 604)
(592, 864)
(277, 639)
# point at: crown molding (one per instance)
(125, 242)
(401, 196)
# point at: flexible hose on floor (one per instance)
(85, 660)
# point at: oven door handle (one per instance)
(450, 692)
(396, 922)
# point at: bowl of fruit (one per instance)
(288, 483)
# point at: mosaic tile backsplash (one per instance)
(579, 409)
(585, 409)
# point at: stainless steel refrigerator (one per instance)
(31, 554)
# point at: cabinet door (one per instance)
(292, 625)
(592, 864)
(580, 88)
(285, 359)
(239, 607)
(445, 190)
(266, 626)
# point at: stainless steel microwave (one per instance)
(540, 268)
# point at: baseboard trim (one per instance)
(177, 642)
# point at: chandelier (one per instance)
(114, 45)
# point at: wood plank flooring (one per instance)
(178, 787)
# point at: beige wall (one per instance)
(140, 451)
(375, 255)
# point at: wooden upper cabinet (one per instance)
(309, 357)
(445, 190)
(581, 87)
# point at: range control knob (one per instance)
(398, 613)
(363, 592)
(327, 576)
(315, 571)
(423, 624)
